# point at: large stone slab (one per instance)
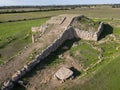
(63, 73)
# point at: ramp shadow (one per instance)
(107, 29)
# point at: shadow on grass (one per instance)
(19, 87)
(76, 72)
(107, 29)
(47, 61)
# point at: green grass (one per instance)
(117, 31)
(15, 35)
(109, 48)
(87, 55)
(105, 79)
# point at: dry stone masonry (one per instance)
(62, 23)
(87, 35)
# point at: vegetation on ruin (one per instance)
(84, 23)
(83, 55)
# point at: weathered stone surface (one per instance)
(87, 35)
(7, 85)
(63, 73)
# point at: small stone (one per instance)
(65, 47)
(61, 56)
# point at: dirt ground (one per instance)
(42, 77)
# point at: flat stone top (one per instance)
(60, 18)
(63, 73)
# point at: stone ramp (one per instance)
(8, 69)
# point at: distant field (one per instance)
(15, 35)
(18, 9)
(90, 12)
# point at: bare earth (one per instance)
(44, 78)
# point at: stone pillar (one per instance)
(33, 38)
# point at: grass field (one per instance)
(90, 12)
(105, 79)
(15, 35)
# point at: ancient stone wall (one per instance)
(87, 35)
(67, 34)
(100, 29)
